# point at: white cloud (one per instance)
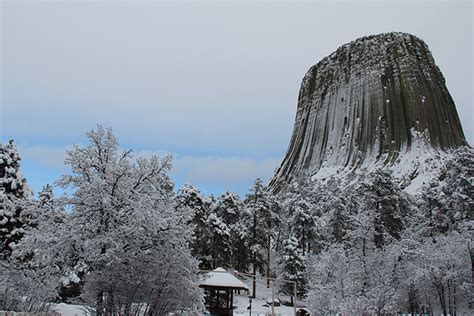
(228, 173)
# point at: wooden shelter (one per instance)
(219, 286)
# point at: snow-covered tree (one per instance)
(448, 200)
(220, 247)
(334, 207)
(190, 199)
(218, 240)
(445, 266)
(433, 272)
(230, 208)
(391, 260)
(293, 267)
(32, 271)
(356, 278)
(124, 218)
(387, 204)
(262, 220)
(46, 195)
(50, 242)
(13, 183)
(190, 196)
(14, 193)
(26, 290)
(329, 280)
(299, 204)
(45, 210)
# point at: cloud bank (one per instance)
(208, 172)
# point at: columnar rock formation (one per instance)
(368, 103)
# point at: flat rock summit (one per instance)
(374, 101)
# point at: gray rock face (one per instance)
(367, 101)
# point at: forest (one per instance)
(123, 239)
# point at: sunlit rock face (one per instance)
(371, 102)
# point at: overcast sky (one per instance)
(215, 84)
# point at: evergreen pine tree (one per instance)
(334, 207)
(263, 221)
(191, 199)
(46, 195)
(220, 251)
(14, 193)
(293, 264)
(386, 202)
(300, 205)
(230, 208)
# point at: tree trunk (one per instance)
(454, 301)
(450, 303)
(254, 241)
(99, 306)
(303, 241)
(109, 306)
(254, 283)
(471, 252)
(268, 261)
(412, 301)
(213, 254)
(365, 266)
(442, 299)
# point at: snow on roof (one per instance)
(221, 278)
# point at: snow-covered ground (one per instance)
(259, 307)
(70, 310)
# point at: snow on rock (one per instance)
(367, 105)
